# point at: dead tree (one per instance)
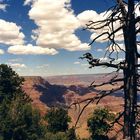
(129, 28)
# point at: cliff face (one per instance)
(48, 94)
(45, 95)
(32, 80)
(29, 87)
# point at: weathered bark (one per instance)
(130, 74)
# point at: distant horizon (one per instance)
(82, 74)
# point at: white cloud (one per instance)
(103, 59)
(17, 65)
(56, 25)
(90, 15)
(27, 2)
(138, 46)
(119, 60)
(3, 7)
(30, 49)
(102, 39)
(137, 9)
(77, 62)
(138, 60)
(10, 33)
(1, 51)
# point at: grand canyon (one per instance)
(46, 92)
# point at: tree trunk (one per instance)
(130, 74)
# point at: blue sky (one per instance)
(45, 37)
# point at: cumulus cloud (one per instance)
(30, 49)
(90, 15)
(27, 2)
(10, 33)
(56, 25)
(3, 7)
(56, 30)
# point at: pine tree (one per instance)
(18, 120)
(57, 119)
(100, 123)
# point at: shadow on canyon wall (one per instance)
(54, 94)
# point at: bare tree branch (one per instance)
(91, 100)
(111, 82)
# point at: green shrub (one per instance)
(99, 123)
(56, 136)
(57, 119)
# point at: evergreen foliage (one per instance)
(71, 134)
(56, 136)
(10, 84)
(18, 120)
(99, 123)
(57, 119)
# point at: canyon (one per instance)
(63, 91)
